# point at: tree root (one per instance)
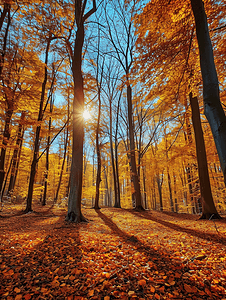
(72, 217)
(209, 216)
(139, 208)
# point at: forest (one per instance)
(112, 148)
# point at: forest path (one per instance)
(119, 254)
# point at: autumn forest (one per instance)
(112, 122)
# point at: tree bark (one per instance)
(6, 136)
(15, 155)
(37, 135)
(135, 179)
(212, 106)
(98, 176)
(74, 213)
(208, 206)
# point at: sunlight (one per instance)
(86, 114)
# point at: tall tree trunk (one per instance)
(116, 158)
(63, 162)
(112, 157)
(15, 155)
(47, 154)
(37, 134)
(6, 136)
(74, 213)
(6, 10)
(212, 106)
(170, 190)
(3, 52)
(135, 179)
(98, 176)
(159, 183)
(209, 209)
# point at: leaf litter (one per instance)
(119, 254)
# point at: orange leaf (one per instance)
(157, 296)
(142, 282)
(27, 297)
(91, 293)
(152, 289)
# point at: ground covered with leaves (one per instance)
(119, 254)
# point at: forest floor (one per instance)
(118, 254)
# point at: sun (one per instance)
(86, 114)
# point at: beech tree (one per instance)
(74, 213)
(211, 96)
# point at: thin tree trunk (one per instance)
(15, 155)
(135, 179)
(63, 162)
(159, 183)
(170, 190)
(209, 209)
(47, 154)
(112, 158)
(37, 135)
(98, 176)
(6, 136)
(6, 9)
(3, 52)
(212, 105)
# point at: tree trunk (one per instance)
(98, 176)
(6, 136)
(112, 158)
(37, 135)
(6, 9)
(15, 155)
(47, 154)
(159, 183)
(74, 213)
(170, 190)
(209, 209)
(212, 106)
(135, 179)
(63, 163)
(3, 52)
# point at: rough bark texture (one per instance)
(212, 105)
(208, 206)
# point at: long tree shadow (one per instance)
(217, 237)
(163, 264)
(41, 270)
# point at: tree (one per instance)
(212, 105)
(74, 213)
(123, 43)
